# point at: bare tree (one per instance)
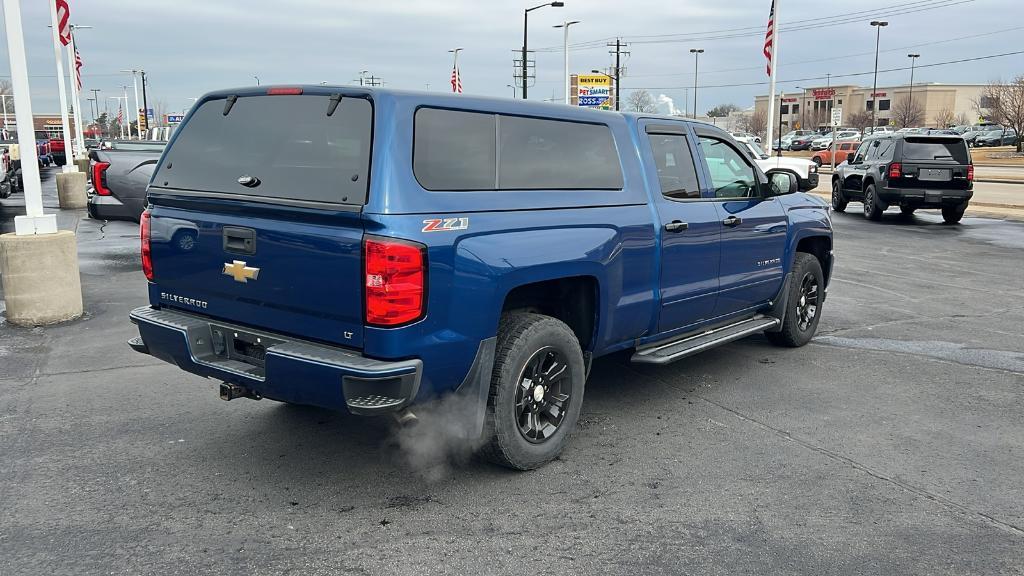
(5, 89)
(859, 120)
(945, 118)
(907, 112)
(756, 123)
(641, 101)
(962, 119)
(1005, 104)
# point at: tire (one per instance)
(817, 161)
(871, 209)
(520, 430)
(953, 214)
(907, 210)
(839, 200)
(803, 305)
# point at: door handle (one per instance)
(239, 240)
(676, 226)
(732, 221)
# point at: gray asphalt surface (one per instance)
(892, 444)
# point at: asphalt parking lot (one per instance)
(892, 444)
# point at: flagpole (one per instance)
(69, 164)
(75, 96)
(775, 64)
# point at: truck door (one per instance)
(689, 228)
(753, 228)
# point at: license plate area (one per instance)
(241, 346)
(935, 175)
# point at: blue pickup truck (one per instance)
(367, 250)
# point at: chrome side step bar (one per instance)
(690, 344)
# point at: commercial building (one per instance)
(932, 105)
(49, 123)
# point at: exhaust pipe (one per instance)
(405, 417)
(229, 391)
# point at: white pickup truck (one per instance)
(806, 171)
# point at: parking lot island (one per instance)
(71, 190)
(40, 278)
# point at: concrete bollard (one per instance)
(71, 190)
(40, 276)
(83, 165)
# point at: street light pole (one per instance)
(565, 49)
(696, 57)
(513, 90)
(878, 24)
(913, 60)
(456, 78)
(526, 14)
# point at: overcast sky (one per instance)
(189, 47)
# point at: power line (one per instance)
(849, 75)
(797, 25)
(783, 64)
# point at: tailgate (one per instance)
(935, 163)
(256, 213)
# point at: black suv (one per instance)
(907, 170)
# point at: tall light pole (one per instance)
(135, 87)
(513, 90)
(913, 60)
(72, 50)
(878, 24)
(526, 14)
(120, 125)
(257, 80)
(5, 97)
(696, 57)
(565, 48)
(456, 79)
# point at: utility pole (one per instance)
(145, 103)
(696, 57)
(618, 67)
(913, 60)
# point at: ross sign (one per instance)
(837, 117)
(174, 118)
(594, 91)
(823, 93)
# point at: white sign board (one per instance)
(837, 117)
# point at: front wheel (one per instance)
(817, 161)
(803, 304)
(536, 391)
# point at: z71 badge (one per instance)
(445, 224)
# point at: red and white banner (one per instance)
(78, 69)
(769, 38)
(63, 21)
(456, 80)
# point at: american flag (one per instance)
(78, 69)
(120, 113)
(63, 21)
(769, 38)
(456, 80)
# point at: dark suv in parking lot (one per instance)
(907, 170)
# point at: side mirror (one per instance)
(780, 182)
(851, 157)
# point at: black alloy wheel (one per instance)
(542, 395)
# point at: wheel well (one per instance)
(821, 248)
(867, 182)
(572, 300)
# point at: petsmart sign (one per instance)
(595, 91)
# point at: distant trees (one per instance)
(908, 112)
(962, 119)
(1004, 104)
(641, 101)
(945, 118)
(756, 123)
(859, 120)
(722, 110)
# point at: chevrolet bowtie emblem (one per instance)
(240, 272)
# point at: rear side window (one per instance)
(456, 150)
(285, 147)
(948, 149)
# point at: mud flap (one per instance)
(476, 387)
(778, 304)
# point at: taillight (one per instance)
(147, 257)
(895, 170)
(395, 279)
(970, 172)
(99, 178)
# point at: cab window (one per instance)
(731, 175)
(677, 174)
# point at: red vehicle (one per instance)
(843, 149)
(56, 151)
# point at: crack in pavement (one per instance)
(951, 352)
(835, 456)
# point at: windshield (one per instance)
(756, 152)
(994, 133)
(281, 146)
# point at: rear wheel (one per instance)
(817, 161)
(839, 200)
(803, 304)
(872, 211)
(953, 214)
(536, 391)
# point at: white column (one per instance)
(34, 221)
(126, 119)
(565, 49)
(69, 164)
(775, 66)
(135, 85)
